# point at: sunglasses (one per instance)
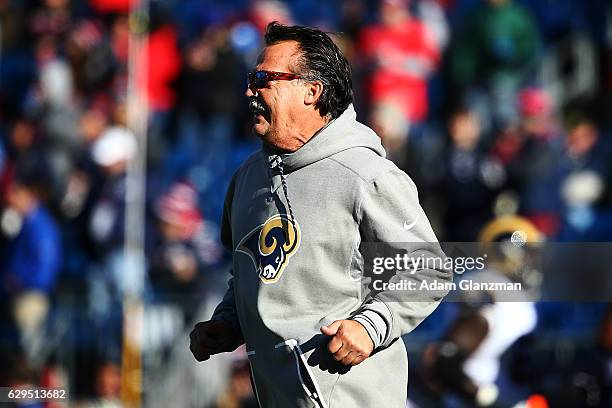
(260, 79)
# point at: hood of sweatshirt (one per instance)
(338, 135)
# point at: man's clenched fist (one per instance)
(212, 337)
(350, 343)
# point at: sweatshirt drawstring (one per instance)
(277, 161)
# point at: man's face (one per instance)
(278, 108)
(20, 198)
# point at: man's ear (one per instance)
(313, 92)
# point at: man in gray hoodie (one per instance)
(298, 216)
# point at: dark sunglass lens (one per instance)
(261, 79)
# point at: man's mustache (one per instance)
(257, 106)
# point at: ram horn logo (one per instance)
(271, 245)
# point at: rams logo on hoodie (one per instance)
(271, 245)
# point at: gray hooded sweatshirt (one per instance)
(295, 225)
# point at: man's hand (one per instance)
(212, 337)
(350, 343)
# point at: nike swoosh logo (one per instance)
(409, 226)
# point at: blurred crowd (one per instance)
(495, 108)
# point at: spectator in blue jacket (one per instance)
(34, 253)
(31, 264)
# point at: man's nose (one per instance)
(249, 92)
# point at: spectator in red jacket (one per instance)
(401, 52)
